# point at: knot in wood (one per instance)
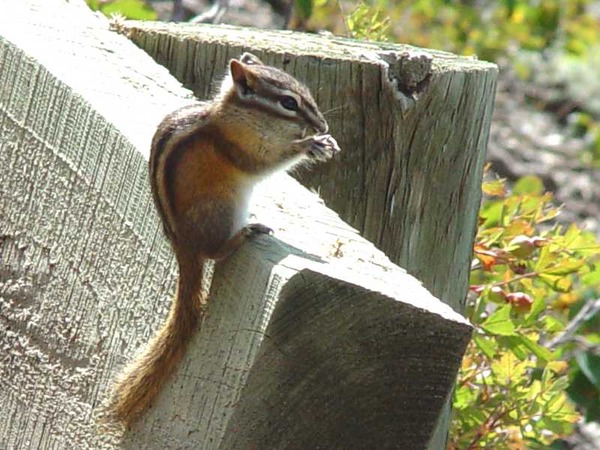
(410, 72)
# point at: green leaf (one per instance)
(487, 346)
(532, 396)
(507, 369)
(492, 213)
(556, 282)
(464, 397)
(500, 323)
(545, 258)
(565, 267)
(537, 307)
(572, 234)
(542, 353)
(473, 416)
(589, 363)
(494, 188)
(531, 205)
(592, 277)
(559, 408)
(552, 324)
(523, 347)
(560, 384)
(528, 185)
(516, 346)
(584, 243)
(537, 444)
(559, 427)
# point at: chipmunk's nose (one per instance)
(317, 121)
(321, 126)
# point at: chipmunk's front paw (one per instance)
(323, 147)
(320, 147)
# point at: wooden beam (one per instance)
(314, 316)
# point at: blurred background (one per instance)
(531, 377)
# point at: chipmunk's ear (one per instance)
(243, 78)
(250, 59)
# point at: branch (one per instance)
(586, 312)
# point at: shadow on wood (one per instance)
(328, 374)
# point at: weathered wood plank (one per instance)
(86, 276)
(299, 379)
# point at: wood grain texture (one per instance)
(86, 276)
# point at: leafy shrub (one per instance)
(366, 22)
(526, 281)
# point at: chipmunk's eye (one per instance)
(289, 103)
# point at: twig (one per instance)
(490, 423)
(588, 310)
(515, 278)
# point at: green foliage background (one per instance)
(524, 380)
(532, 369)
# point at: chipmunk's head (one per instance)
(271, 92)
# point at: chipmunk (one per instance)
(205, 160)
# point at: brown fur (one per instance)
(138, 385)
(203, 163)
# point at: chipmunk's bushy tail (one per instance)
(136, 388)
